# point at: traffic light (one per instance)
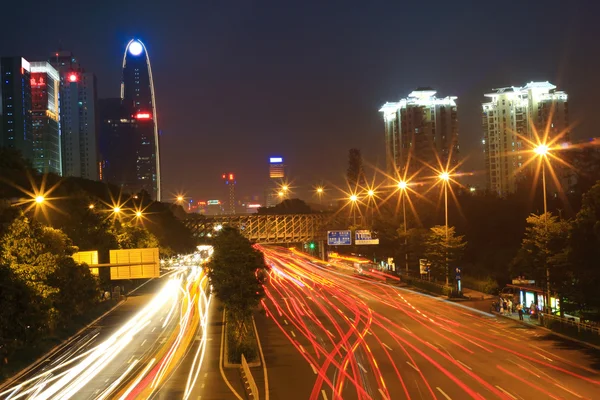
(311, 245)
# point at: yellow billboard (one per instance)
(134, 264)
(88, 257)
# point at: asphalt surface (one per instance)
(357, 337)
(129, 352)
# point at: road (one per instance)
(133, 357)
(363, 338)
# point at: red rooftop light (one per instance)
(72, 77)
(143, 116)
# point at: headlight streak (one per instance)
(82, 368)
(343, 297)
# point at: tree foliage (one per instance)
(441, 252)
(237, 273)
(288, 206)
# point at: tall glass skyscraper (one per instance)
(137, 96)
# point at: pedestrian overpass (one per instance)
(263, 229)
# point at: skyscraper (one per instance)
(15, 106)
(78, 119)
(137, 95)
(418, 130)
(512, 116)
(45, 118)
(276, 178)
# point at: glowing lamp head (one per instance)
(135, 48)
(371, 193)
(541, 150)
(117, 209)
(179, 198)
(402, 185)
(353, 197)
(444, 176)
(320, 190)
(39, 199)
(284, 188)
(91, 206)
(138, 214)
(72, 77)
(280, 194)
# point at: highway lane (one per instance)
(367, 339)
(134, 359)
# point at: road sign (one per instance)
(135, 263)
(339, 238)
(424, 266)
(363, 236)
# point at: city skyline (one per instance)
(259, 124)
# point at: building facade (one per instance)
(15, 105)
(78, 117)
(513, 118)
(276, 178)
(137, 96)
(45, 118)
(421, 131)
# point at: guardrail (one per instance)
(249, 379)
(564, 323)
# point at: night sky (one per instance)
(239, 81)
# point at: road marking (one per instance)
(330, 334)
(205, 374)
(382, 394)
(464, 365)
(285, 321)
(324, 394)
(302, 348)
(202, 387)
(143, 343)
(363, 368)
(567, 390)
(106, 380)
(543, 356)
(415, 368)
(369, 332)
(97, 390)
(313, 368)
(293, 334)
(153, 329)
(387, 347)
(506, 393)
(444, 394)
(128, 362)
(163, 340)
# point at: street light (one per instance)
(179, 199)
(445, 178)
(402, 185)
(91, 206)
(138, 214)
(320, 191)
(39, 199)
(117, 209)
(542, 151)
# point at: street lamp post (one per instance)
(353, 199)
(542, 152)
(371, 194)
(402, 186)
(320, 194)
(445, 177)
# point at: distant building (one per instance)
(214, 207)
(45, 118)
(512, 116)
(129, 143)
(117, 143)
(277, 176)
(15, 105)
(78, 117)
(137, 95)
(418, 130)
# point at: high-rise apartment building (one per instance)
(512, 116)
(276, 179)
(45, 119)
(15, 105)
(78, 119)
(420, 129)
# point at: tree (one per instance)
(237, 273)
(288, 206)
(441, 252)
(131, 236)
(583, 252)
(355, 173)
(545, 238)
